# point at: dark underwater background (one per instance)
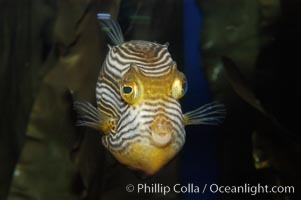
(243, 53)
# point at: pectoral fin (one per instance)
(91, 117)
(210, 114)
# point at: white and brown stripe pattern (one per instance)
(133, 121)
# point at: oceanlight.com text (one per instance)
(159, 188)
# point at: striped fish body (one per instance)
(138, 110)
(135, 89)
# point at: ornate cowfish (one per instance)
(138, 109)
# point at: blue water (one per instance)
(199, 165)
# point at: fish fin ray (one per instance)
(209, 114)
(111, 27)
(90, 116)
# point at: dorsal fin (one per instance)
(111, 27)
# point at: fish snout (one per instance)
(162, 131)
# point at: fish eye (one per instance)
(179, 86)
(130, 87)
(130, 91)
(184, 87)
(127, 89)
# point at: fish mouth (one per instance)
(161, 139)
